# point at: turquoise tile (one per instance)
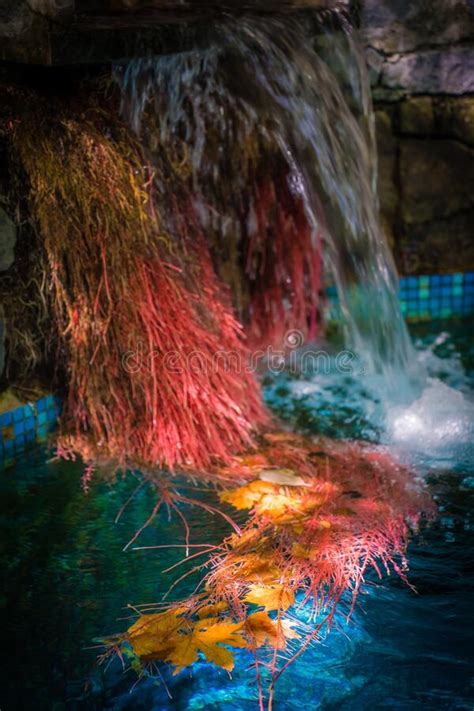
(41, 404)
(17, 414)
(28, 411)
(30, 423)
(18, 428)
(458, 278)
(6, 419)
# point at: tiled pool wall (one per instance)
(26, 425)
(422, 298)
(437, 296)
(428, 297)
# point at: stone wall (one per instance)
(421, 59)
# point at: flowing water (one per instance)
(303, 85)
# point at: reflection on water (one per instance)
(67, 582)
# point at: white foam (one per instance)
(439, 422)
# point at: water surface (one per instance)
(67, 581)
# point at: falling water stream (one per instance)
(310, 93)
(303, 84)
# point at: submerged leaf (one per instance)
(206, 637)
(151, 635)
(263, 630)
(270, 597)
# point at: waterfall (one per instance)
(301, 83)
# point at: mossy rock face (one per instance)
(62, 32)
(405, 26)
(7, 240)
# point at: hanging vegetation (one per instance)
(123, 288)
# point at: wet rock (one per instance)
(431, 72)
(7, 240)
(444, 245)
(18, 16)
(387, 189)
(404, 25)
(437, 179)
(446, 117)
(375, 61)
(2, 340)
(417, 116)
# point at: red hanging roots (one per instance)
(156, 363)
(282, 265)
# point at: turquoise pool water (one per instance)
(66, 580)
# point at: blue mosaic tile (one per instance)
(18, 414)
(30, 423)
(6, 419)
(437, 295)
(42, 418)
(41, 404)
(18, 428)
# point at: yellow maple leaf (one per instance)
(271, 597)
(247, 538)
(212, 610)
(263, 630)
(258, 569)
(207, 637)
(245, 497)
(151, 635)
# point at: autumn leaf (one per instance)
(245, 497)
(258, 569)
(270, 597)
(207, 637)
(212, 610)
(151, 635)
(288, 629)
(263, 630)
(246, 539)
